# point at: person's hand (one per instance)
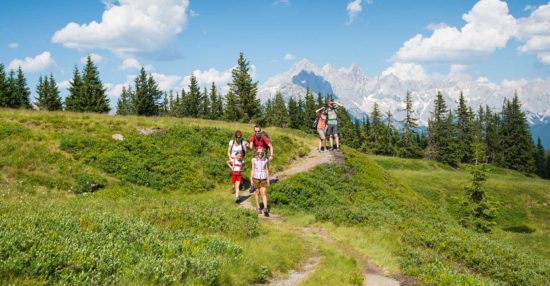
(270, 158)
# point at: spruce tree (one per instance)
(146, 95)
(11, 99)
(347, 129)
(124, 103)
(4, 87)
(73, 102)
(293, 114)
(244, 88)
(309, 109)
(269, 113)
(464, 130)
(194, 97)
(231, 111)
(94, 98)
(205, 104)
(492, 122)
(539, 159)
(48, 94)
(442, 141)
(320, 100)
(17, 92)
(409, 147)
(280, 113)
(22, 90)
(215, 110)
(547, 173)
(516, 144)
(165, 105)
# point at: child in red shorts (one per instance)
(236, 165)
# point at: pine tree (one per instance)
(48, 94)
(124, 104)
(478, 212)
(280, 114)
(442, 143)
(72, 102)
(244, 88)
(492, 122)
(23, 91)
(4, 87)
(409, 147)
(94, 98)
(309, 109)
(347, 130)
(547, 173)
(231, 112)
(146, 94)
(301, 114)
(194, 97)
(17, 93)
(215, 110)
(11, 99)
(293, 114)
(516, 144)
(205, 105)
(464, 130)
(539, 159)
(320, 100)
(269, 118)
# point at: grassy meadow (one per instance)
(162, 213)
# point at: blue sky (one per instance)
(206, 36)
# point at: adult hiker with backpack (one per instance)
(260, 140)
(320, 124)
(236, 145)
(332, 129)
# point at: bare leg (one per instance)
(337, 141)
(264, 196)
(236, 186)
(257, 199)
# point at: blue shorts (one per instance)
(332, 130)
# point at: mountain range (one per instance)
(358, 92)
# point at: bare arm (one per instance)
(318, 110)
(270, 151)
(267, 173)
(229, 152)
(230, 165)
(252, 172)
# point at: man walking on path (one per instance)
(260, 140)
(332, 129)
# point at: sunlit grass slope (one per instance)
(160, 215)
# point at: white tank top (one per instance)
(260, 168)
(235, 148)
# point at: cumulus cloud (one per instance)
(131, 27)
(38, 63)
(133, 64)
(193, 13)
(488, 27)
(167, 82)
(354, 8)
(534, 31)
(64, 84)
(206, 77)
(13, 45)
(95, 57)
(406, 71)
(289, 57)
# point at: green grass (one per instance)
(161, 214)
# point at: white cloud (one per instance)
(534, 31)
(167, 82)
(530, 8)
(406, 71)
(514, 84)
(133, 64)
(436, 26)
(95, 57)
(281, 2)
(193, 13)
(38, 63)
(289, 57)
(488, 27)
(131, 27)
(354, 7)
(13, 45)
(220, 78)
(64, 84)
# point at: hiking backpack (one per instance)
(315, 122)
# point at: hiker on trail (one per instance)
(321, 119)
(237, 145)
(260, 140)
(332, 129)
(260, 179)
(236, 164)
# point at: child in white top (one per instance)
(236, 165)
(260, 179)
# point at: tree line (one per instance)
(450, 138)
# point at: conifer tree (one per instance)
(194, 97)
(320, 100)
(409, 147)
(294, 114)
(309, 109)
(216, 110)
(301, 114)
(94, 98)
(23, 90)
(442, 144)
(231, 111)
(347, 130)
(269, 113)
(165, 105)
(464, 130)
(75, 92)
(539, 159)
(146, 94)
(244, 88)
(515, 145)
(17, 93)
(11, 99)
(280, 113)
(547, 173)
(124, 103)
(205, 105)
(48, 94)
(492, 121)
(4, 87)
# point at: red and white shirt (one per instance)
(237, 166)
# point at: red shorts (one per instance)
(236, 178)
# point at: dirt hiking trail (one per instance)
(372, 276)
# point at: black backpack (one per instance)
(315, 121)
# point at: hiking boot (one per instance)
(266, 212)
(259, 210)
